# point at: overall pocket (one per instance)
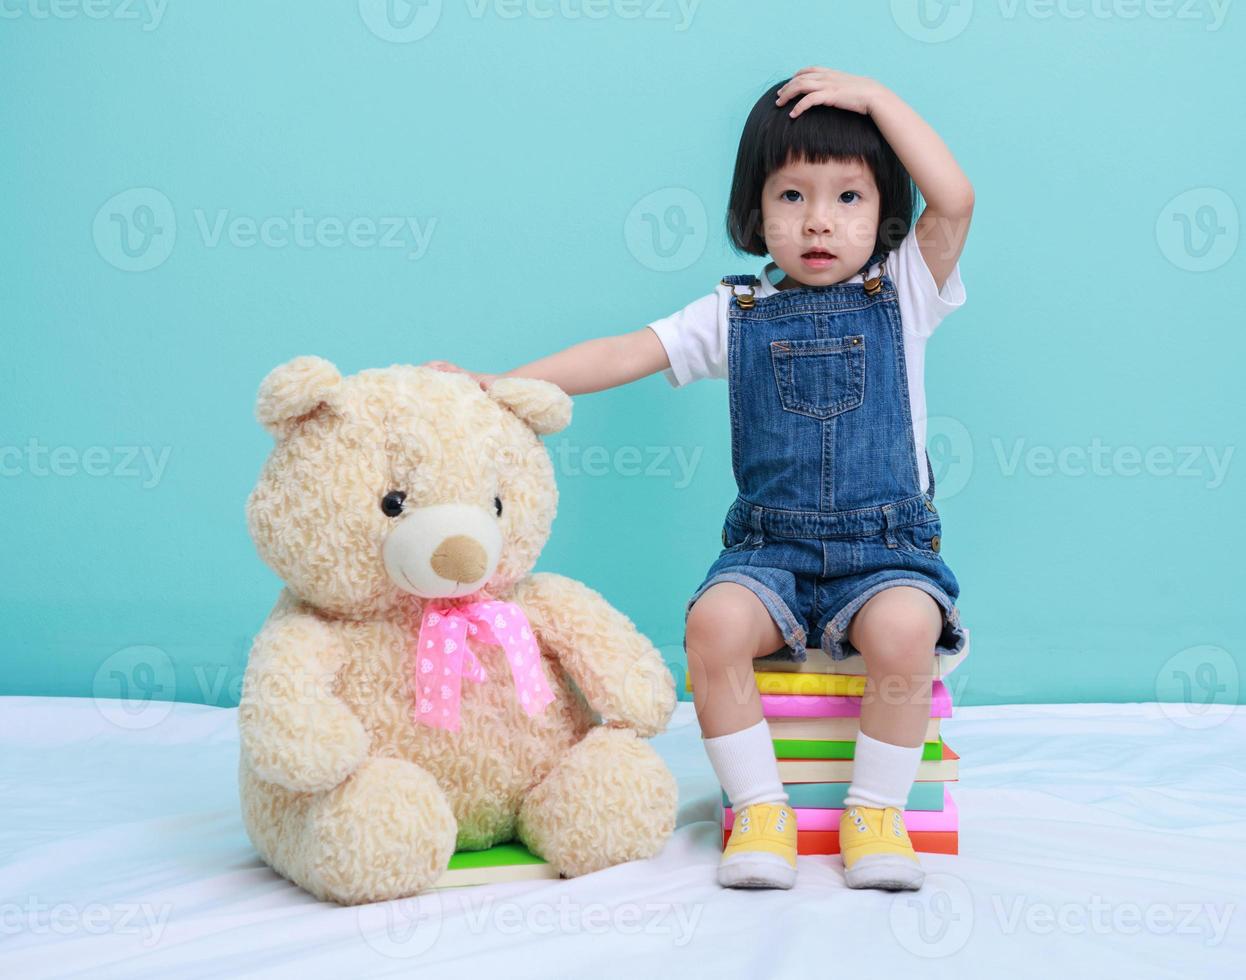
(739, 538)
(924, 539)
(821, 377)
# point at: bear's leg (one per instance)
(610, 799)
(387, 831)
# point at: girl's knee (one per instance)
(723, 624)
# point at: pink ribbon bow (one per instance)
(443, 657)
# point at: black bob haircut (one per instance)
(772, 138)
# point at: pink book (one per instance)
(810, 818)
(841, 705)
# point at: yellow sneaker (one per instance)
(761, 852)
(876, 849)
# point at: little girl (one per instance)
(833, 534)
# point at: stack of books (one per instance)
(814, 713)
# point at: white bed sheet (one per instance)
(1099, 840)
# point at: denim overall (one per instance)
(829, 509)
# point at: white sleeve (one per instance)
(922, 307)
(694, 341)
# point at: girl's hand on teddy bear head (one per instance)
(484, 380)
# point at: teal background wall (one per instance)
(178, 181)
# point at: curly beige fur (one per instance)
(341, 791)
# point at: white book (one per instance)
(840, 770)
(819, 662)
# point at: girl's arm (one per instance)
(944, 225)
(591, 365)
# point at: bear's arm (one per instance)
(293, 730)
(619, 671)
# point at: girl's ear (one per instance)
(292, 392)
(542, 405)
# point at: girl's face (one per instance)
(820, 220)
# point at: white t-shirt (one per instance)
(695, 338)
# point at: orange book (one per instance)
(827, 841)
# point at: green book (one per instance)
(502, 862)
(817, 748)
(830, 796)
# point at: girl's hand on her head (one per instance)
(825, 86)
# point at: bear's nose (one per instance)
(459, 558)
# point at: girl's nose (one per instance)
(818, 225)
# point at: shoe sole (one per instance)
(885, 872)
(756, 871)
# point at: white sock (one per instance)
(882, 773)
(745, 764)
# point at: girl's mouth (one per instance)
(817, 258)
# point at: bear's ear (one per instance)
(542, 405)
(293, 391)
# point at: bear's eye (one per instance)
(497, 505)
(391, 503)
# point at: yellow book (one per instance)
(774, 682)
(818, 661)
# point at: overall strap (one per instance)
(744, 300)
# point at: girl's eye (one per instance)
(849, 194)
(497, 505)
(785, 197)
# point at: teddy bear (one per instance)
(417, 688)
